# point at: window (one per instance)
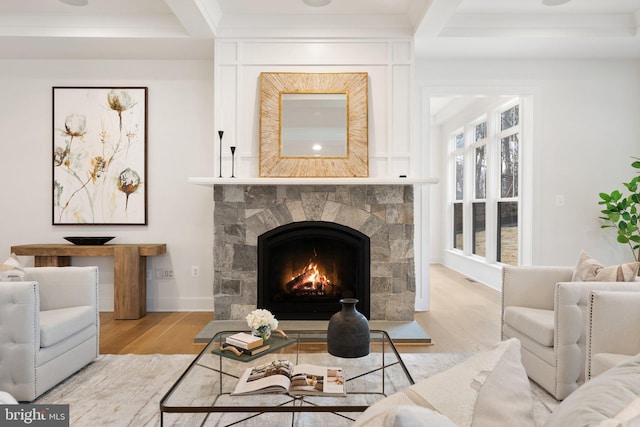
(458, 216)
(478, 211)
(507, 217)
(457, 226)
(479, 229)
(491, 157)
(508, 233)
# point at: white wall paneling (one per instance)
(389, 64)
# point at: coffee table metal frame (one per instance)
(294, 404)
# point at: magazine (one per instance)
(282, 376)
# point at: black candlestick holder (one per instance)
(233, 152)
(220, 132)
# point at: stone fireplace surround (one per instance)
(382, 212)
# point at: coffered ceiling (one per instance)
(442, 28)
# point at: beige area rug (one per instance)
(125, 390)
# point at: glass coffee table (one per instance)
(202, 394)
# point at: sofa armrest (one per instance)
(571, 301)
(62, 287)
(19, 336)
(532, 286)
(613, 324)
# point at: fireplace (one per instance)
(305, 268)
(383, 213)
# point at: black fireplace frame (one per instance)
(319, 229)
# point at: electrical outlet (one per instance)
(163, 273)
(195, 271)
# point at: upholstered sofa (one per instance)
(547, 311)
(49, 328)
(491, 389)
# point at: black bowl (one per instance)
(77, 240)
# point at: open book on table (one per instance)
(282, 376)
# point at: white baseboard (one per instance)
(168, 304)
(475, 268)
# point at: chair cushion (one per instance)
(590, 270)
(610, 399)
(57, 325)
(601, 362)
(489, 389)
(535, 323)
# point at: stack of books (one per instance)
(243, 343)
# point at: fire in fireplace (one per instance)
(305, 268)
(311, 282)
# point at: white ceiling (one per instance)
(442, 28)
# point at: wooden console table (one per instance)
(129, 265)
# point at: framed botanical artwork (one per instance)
(99, 156)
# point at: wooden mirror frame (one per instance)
(273, 164)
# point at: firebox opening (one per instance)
(306, 268)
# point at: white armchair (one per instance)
(548, 314)
(613, 330)
(49, 328)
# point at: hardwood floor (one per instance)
(161, 333)
(464, 316)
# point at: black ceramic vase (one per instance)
(348, 331)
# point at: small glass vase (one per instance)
(263, 332)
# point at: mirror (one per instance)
(314, 125)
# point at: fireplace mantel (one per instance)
(211, 181)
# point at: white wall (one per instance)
(180, 144)
(585, 130)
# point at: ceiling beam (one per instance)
(435, 17)
(199, 18)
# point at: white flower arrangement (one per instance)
(261, 317)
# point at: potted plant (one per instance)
(622, 212)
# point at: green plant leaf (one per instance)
(605, 197)
(616, 195)
(635, 238)
(622, 239)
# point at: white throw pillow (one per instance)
(415, 416)
(488, 389)
(7, 399)
(12, 269)
(610, 399)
